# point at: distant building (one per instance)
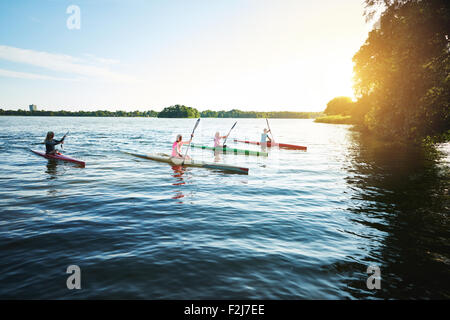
(33, 107)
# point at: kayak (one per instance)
(59, 157)
(231, 150)
(189, 162)
(276, 144)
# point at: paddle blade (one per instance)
(268, 127)
(229, 134)
(192, 134)
(196, 125)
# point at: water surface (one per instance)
(301, 225)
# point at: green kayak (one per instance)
(231, 150)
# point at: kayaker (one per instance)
(265, 136)
(217, 139)
(50, 143)
(176, 147)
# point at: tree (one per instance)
(401, 71)
(179, 111)
(209, 114)
(339, 105)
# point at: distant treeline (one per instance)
(101, 113)
(235, 113)
(177, 111)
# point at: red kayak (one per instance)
(276, 144)
(59, 157)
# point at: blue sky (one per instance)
(139, 55)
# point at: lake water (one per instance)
(300, 225)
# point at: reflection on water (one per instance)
(55, 169)
(264, 147)
(178, 172)
(217, 157)
(51, 168)
(403, 193)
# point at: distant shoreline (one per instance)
(335, 119)
(154, 114)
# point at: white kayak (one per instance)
(189, 162)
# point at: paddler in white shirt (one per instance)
(265, 136)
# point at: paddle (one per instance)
(224, 145)
(62, 142)
(192, 135)
(33, 144)
(270, 130)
